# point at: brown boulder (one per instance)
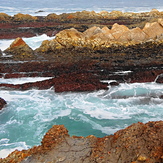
(118, 30)
(135, 34)
(153, 30)
(69, 37)
(2, 103)
(19, 49)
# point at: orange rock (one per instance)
(24, 17)
(153, 30)
(118, 30)
(19, 48)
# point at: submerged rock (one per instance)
(136, 143)
(2, 103)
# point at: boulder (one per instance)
(153, 30)
(2, 103)
(118, 30)
(135, 34)
(159, 79)
(19, 49)
(69, 37)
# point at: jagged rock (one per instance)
(136, 143)
(69, 37)
(153, 30)
(19, 49)
(135, 34)
(2, 103)
(159, 78)
(118, 30)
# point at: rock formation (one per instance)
(65, 83)
(97, 38)
(136, 143)
(2, 103)
(25, 25)
(19, 49)
(159, 79)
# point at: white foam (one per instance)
(33, 42)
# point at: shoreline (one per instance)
(80, 66)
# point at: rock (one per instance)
(0, 52)
(69, 37)
(114, 83)
(19, 49)
(118, 30)
(74, 82)
(2, 103)
(135, 34)
(153, 30)
(159, 79)
(137, 143)
(24, 17)
(4, 17)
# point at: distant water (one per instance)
(29, 114)
(32, 7)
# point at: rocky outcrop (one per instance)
(2, 103)
(97, 38)
(25, 25)
(19, 49)
(136, 143)
(73, 82)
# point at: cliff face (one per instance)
(136, 143)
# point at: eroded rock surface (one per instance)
(136, 143)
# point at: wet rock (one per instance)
(19, 49)
(136, 143)
(73, 82)
(2, 103)
(0, 52)
(159, 79)
(113, 83)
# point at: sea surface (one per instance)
(29, 114)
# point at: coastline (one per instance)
(76, 68)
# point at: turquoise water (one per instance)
(29, 114)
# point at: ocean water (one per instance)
(29, 114)
(33, 7)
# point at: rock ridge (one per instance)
(137, 143)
